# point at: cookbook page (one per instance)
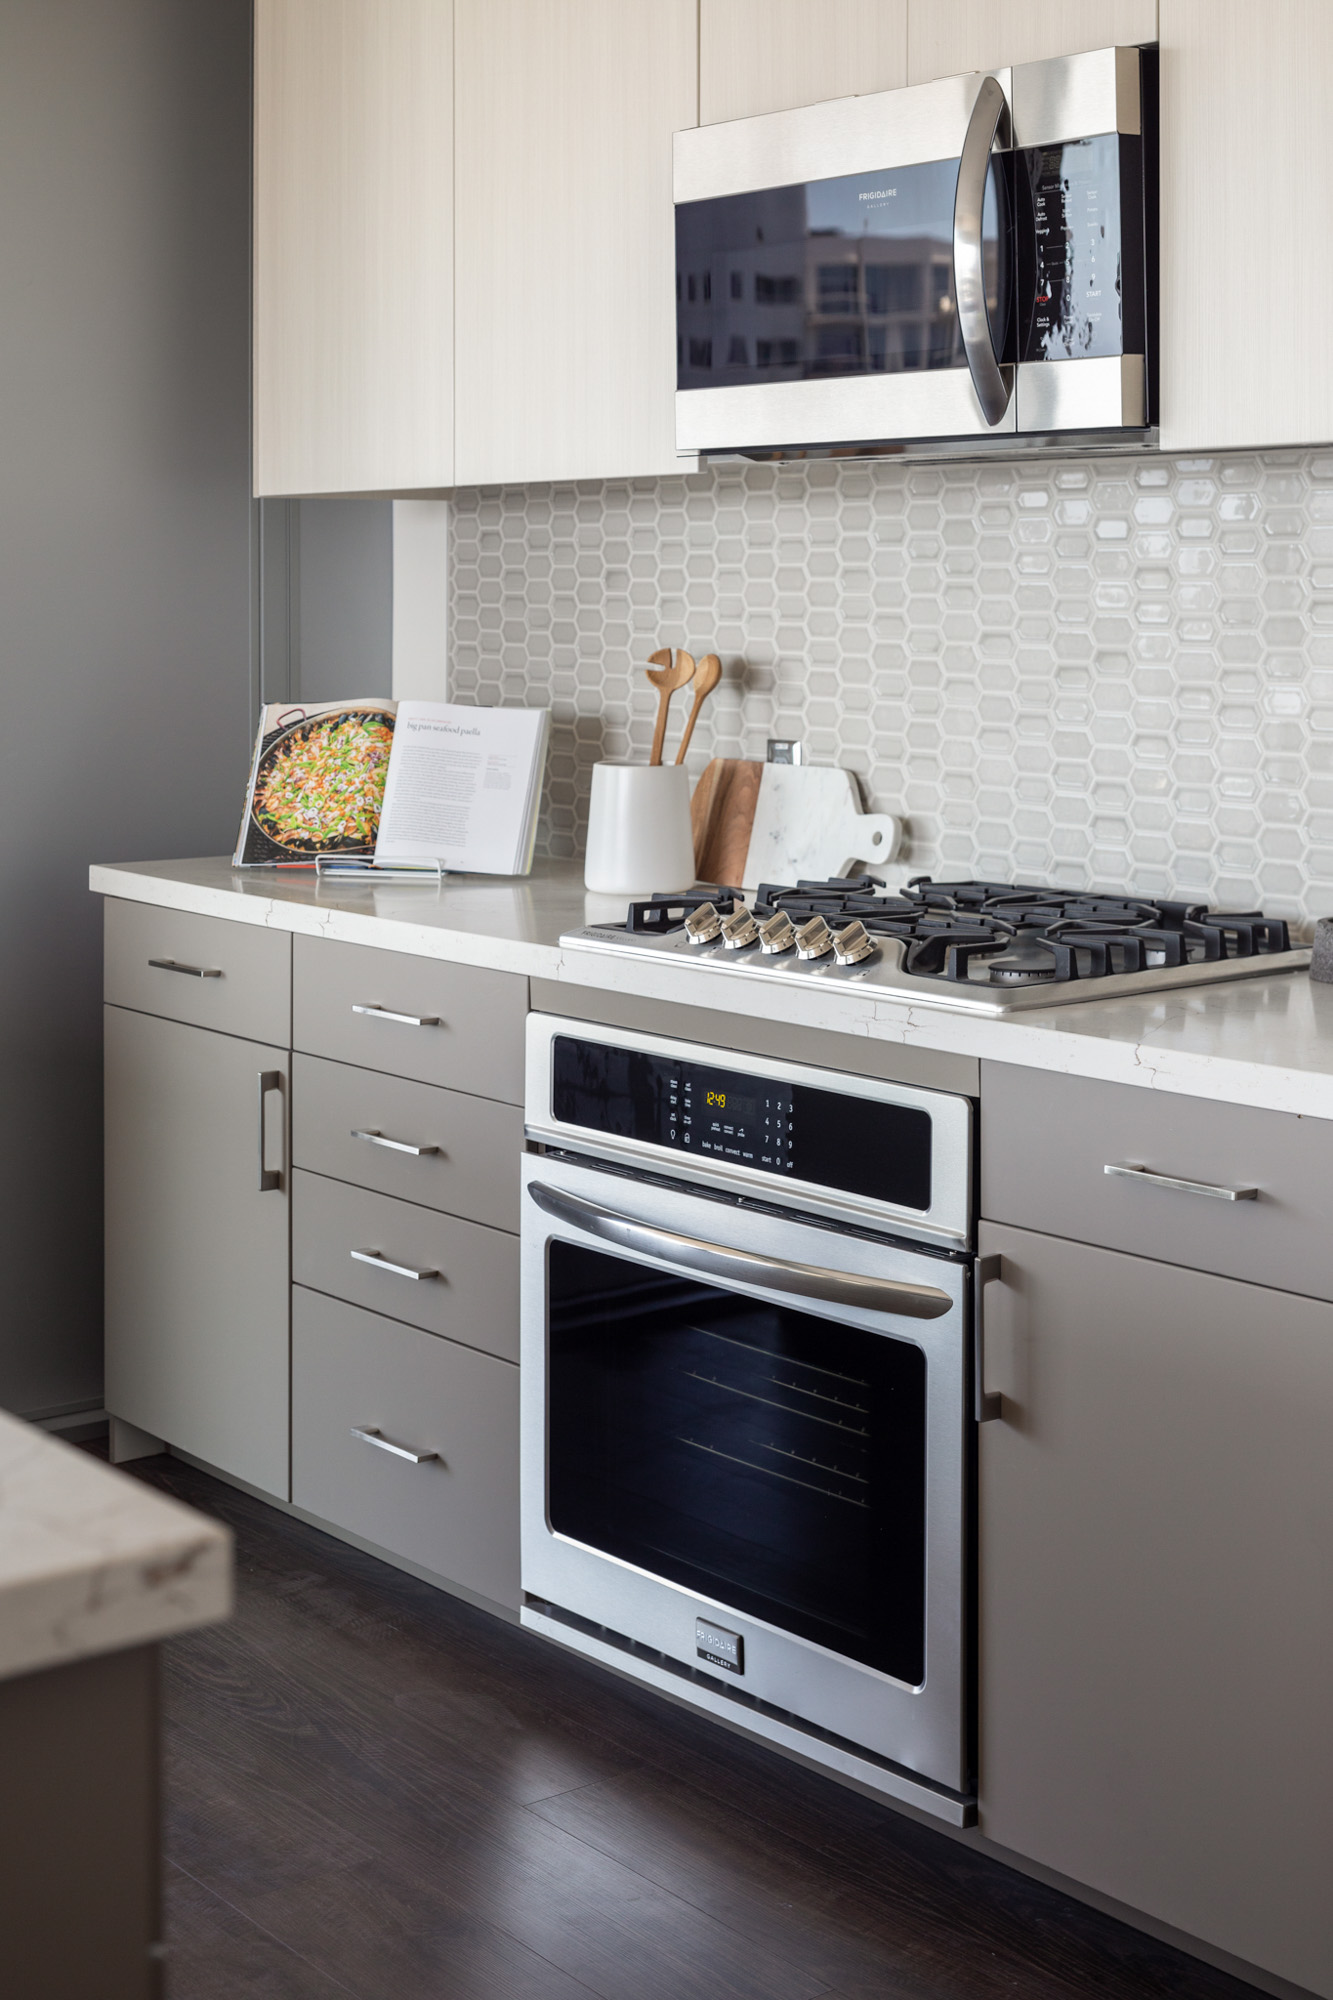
(463, 787)
(316, 782)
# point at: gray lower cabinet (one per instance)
(442, 1148)
(408, 1441)
(1156, 1592)
(439, 1272)
(197, 1345)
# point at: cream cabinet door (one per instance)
(1247, 215)
(1155, 1580)
(565, 267)
(945, 37)
(770, 55)
(353, 246)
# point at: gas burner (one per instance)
(989, 946)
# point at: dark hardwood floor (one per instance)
(375, 1790)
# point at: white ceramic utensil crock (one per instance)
(639, 834)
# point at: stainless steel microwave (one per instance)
(967, 260)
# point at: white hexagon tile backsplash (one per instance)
(1115, 672)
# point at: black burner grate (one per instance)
(1005, 934)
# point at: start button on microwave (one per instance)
(718, 1646)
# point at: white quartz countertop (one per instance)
(1265, 1041)
(91, 1561)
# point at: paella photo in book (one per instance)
(316, 782)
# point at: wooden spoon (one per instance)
(706, 677)
(666, 679)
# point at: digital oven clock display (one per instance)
(729, 1117)
(694, 1109)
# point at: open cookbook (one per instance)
(400, 784)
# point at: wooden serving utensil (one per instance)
(706, 677)
(666, 678)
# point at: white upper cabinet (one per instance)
(353, 250)
(566, 236)
(945, 37)
(771, 55)
(1247, 217)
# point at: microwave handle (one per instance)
(711, 1260)
(993, 383)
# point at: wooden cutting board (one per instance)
(809, 826)
(721, 814)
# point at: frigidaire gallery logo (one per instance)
(877, 194)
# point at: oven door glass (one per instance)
(769, 1459)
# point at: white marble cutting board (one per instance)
(808, 825)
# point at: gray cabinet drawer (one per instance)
(201, 970)
(460, 1025)
(1046, 1141)
(470, 1146)
(472, 1294)
(455, 1513)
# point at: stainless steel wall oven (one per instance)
(969, 259)
(746, 1386)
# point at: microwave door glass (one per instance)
(768, 1459)
(847, 276)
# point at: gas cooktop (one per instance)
(985, 947)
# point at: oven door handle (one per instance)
(776, 1274)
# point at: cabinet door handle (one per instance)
(405, 1020)
(1122, 1170)
(379, 1262)
(987, 1403)
(269, 1177)
(369, 1435)
(191, 971)
(394, 1145)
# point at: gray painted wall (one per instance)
(346, 598)
(124, 570)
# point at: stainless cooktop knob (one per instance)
(777, 934)
(703, 925)
(814, 939)
(853, 944)
(739, 929)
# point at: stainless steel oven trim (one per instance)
(843, 135)
(866, 1774)
(947, 1222)
(921, 1728)
(1108, 392)
(934, 402)
(1077, 97)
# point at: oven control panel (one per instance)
(698, 1109)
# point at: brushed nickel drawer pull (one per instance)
(379, 1262)
(369, 1435)
(269, 1177)
(1121, 1170)
(406, 1020)
(191, 971)
(394, 1145)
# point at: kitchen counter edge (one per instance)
(1266, 1041)
(92, 1561)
